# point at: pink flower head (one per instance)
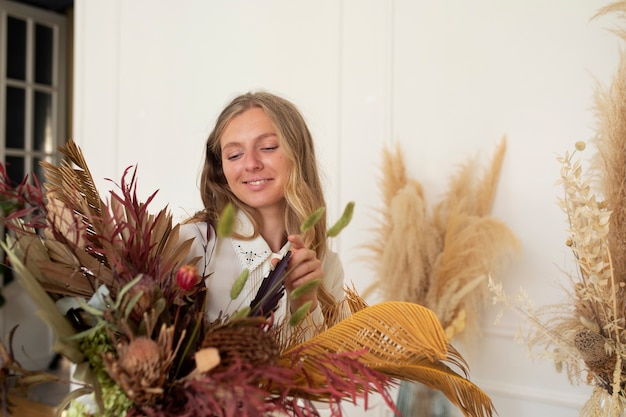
(187, 277)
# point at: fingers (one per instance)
(296, 241)
(304, 267)
(274, 262)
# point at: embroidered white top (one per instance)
(223, 260)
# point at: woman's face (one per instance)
(254, 163)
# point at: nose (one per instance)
(253, 162)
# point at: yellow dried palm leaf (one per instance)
(402, 340)
(354, 301)
(393, 332)
(469, 398)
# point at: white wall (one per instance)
(445, 79)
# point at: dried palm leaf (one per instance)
(402, 340)
(68, 182)
(91, 242)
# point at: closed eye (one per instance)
(270, 148)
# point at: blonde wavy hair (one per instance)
(303, 192)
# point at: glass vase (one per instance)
(418, 400)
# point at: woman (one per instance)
(261, 158)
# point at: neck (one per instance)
(273, 229)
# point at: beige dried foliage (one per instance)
(440, 257)
(610, 160)
(585, 334)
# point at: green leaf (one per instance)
(131, 304)
(92, 330)
(306, 287)
(239, 314)
(343, 221)
(300, 313)
(128, 286)
(310, 221)
(226, 222)
(239, 283)
(89, 309)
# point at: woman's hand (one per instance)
(304, 267)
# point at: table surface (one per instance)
(25, 407)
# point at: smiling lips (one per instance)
(256, 182)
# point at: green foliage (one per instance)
(300, 313)
(306, 287)
(343, 221)
(226, 222)
(239, 284)
(94, 345)
(310, 221)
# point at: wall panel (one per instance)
(445, 80)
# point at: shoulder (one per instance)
(201, 231)
(333, 275)
(332, 267)
(331, 259)
(203, 241)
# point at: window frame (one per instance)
(58, 89)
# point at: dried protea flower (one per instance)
(141, 355)
(141, 366)
(187, 277)
(149, 294)
(246, 341)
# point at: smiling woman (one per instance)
(260, 158)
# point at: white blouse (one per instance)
(223, 259)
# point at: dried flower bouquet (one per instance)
(110, 281)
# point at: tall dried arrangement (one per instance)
(441, 258)
(585, 334)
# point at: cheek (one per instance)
(285, 165)
(230, 173)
